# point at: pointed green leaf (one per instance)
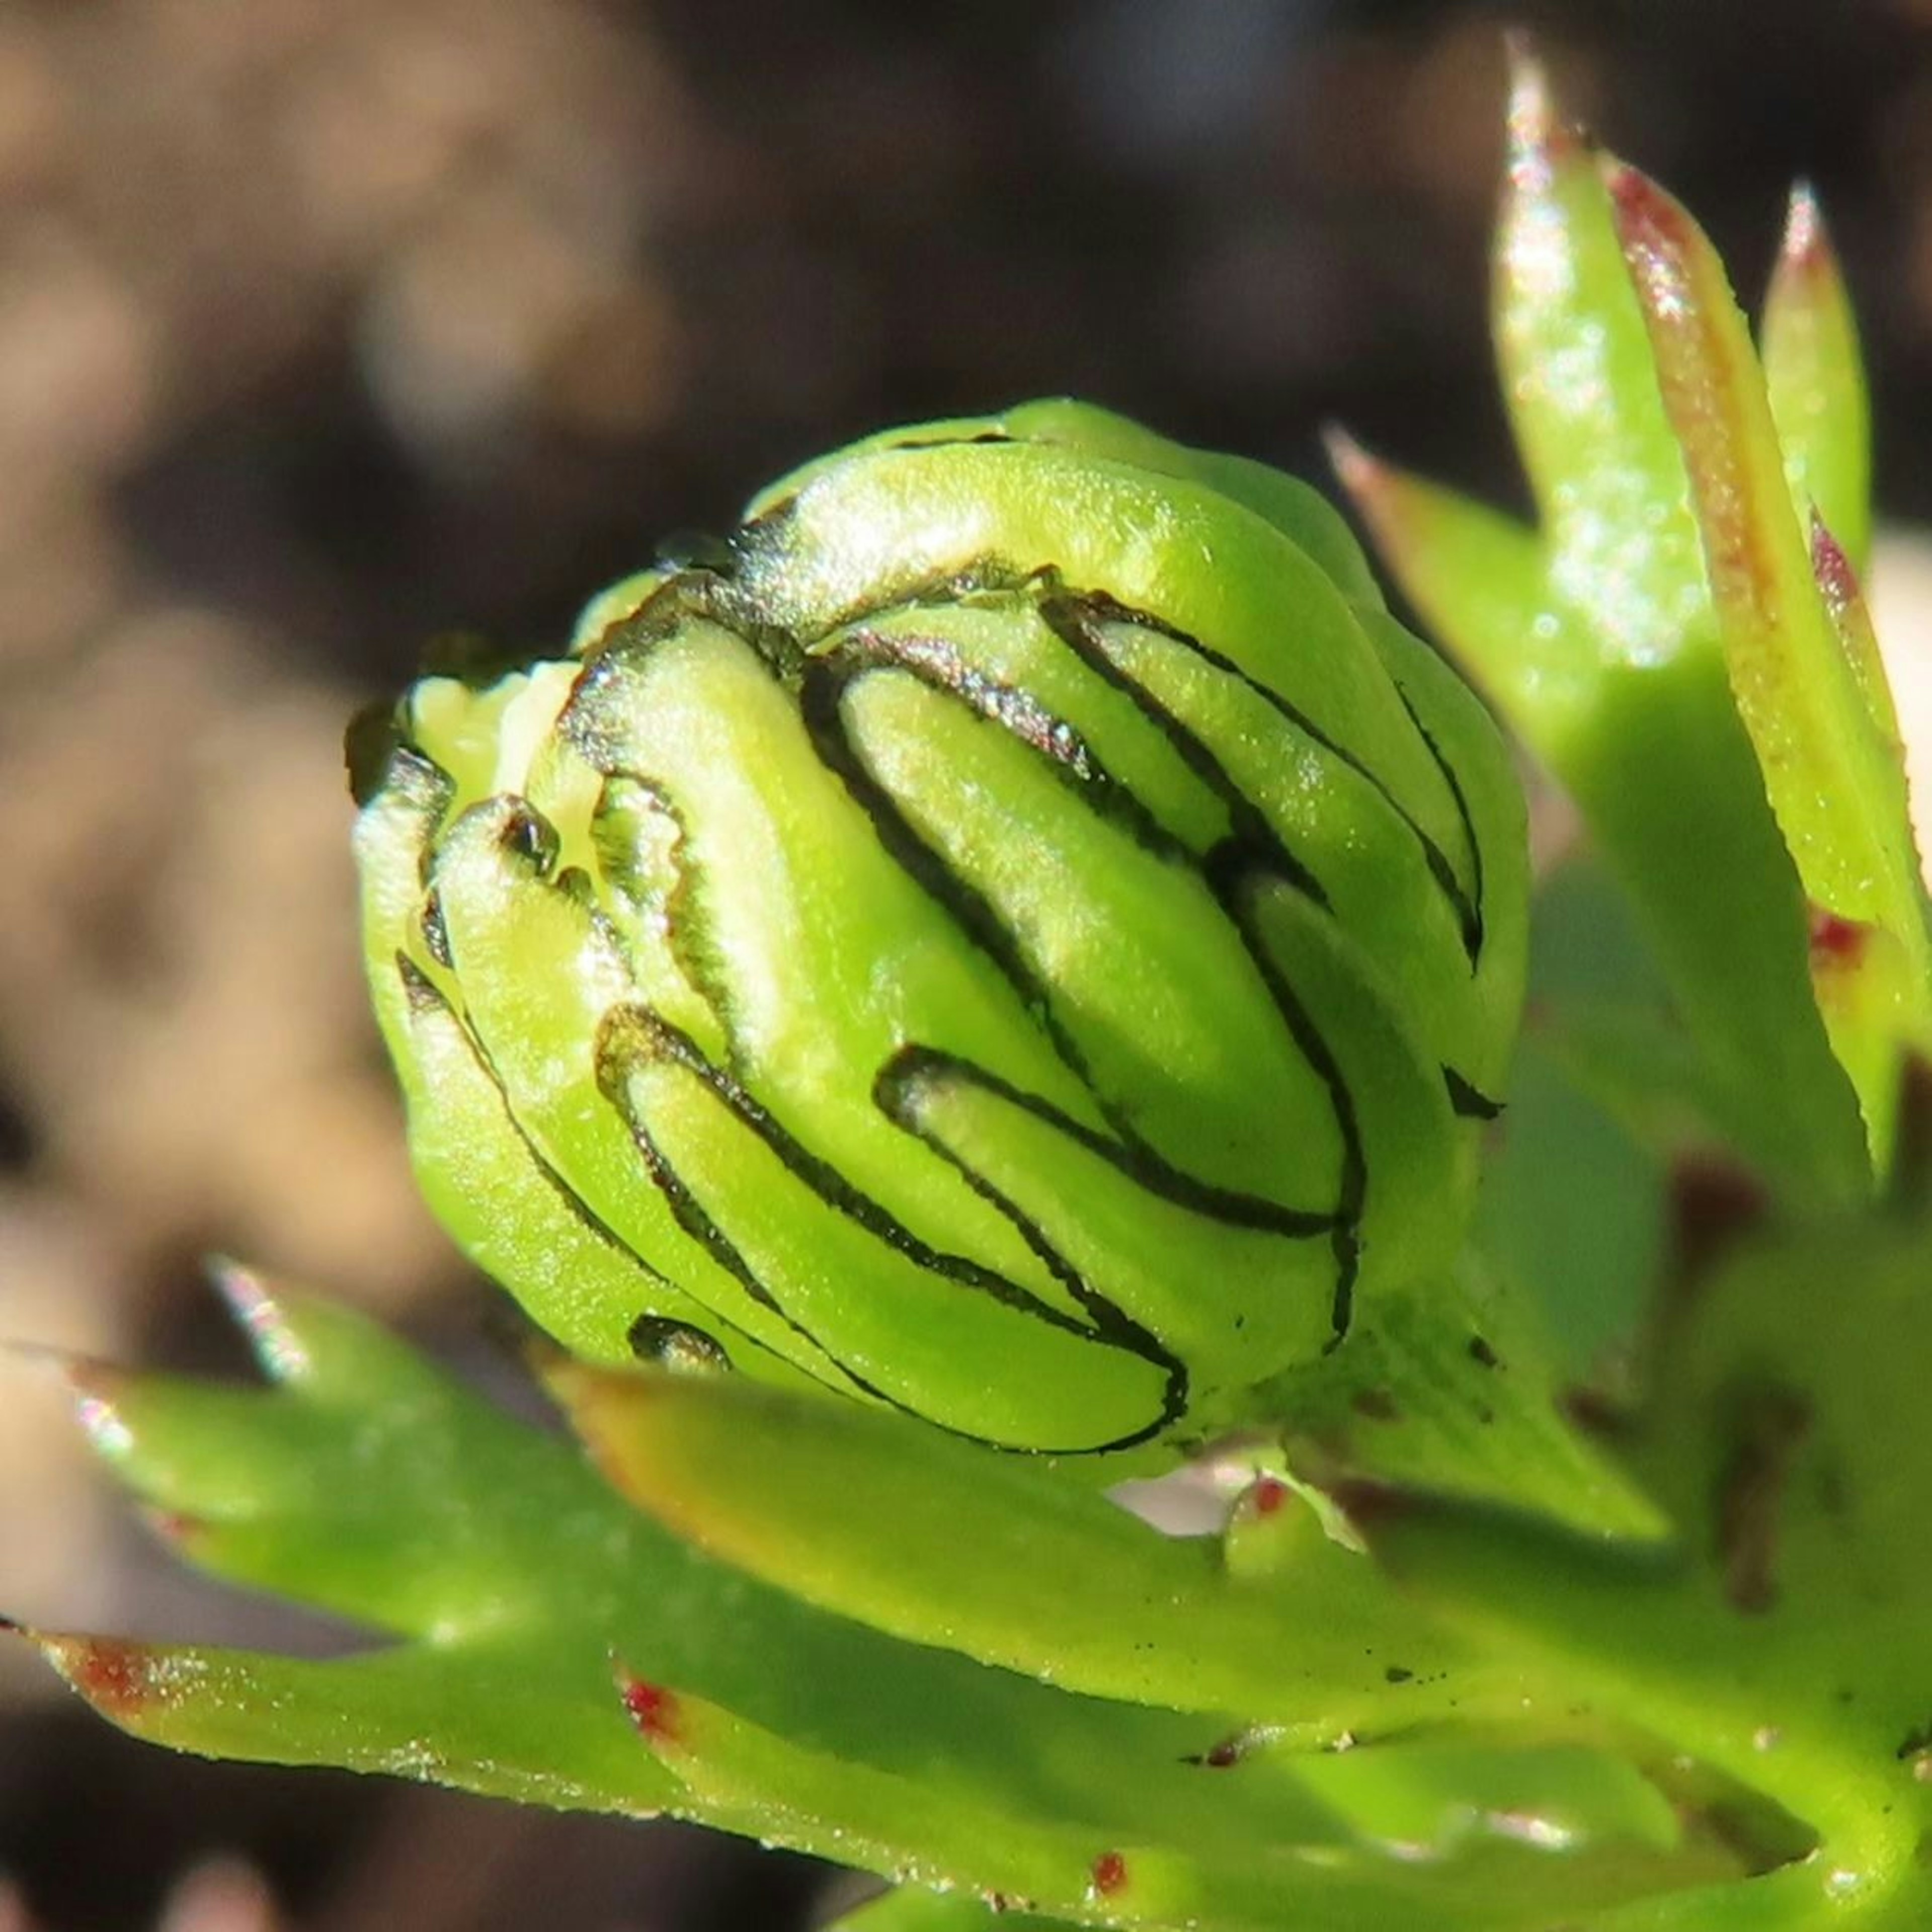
(1835, 781)
(941, 1542)
(1596, 638)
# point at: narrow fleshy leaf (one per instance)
(516, 1574)
(478, 1719)
(1603, 466)
(1834, 780)
(1814, 373)
(942, 1542)
(1492, 1883)
(894, 1755)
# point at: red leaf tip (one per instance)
(1658, 237)
(118, 1677)
(1642, 206)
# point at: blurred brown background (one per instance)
(326, 324)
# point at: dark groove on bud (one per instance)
(1232, 869)
(1470, 908)
(435, 933)
(1140, 1165)
(675, 1346)
(820, 693)
(686, 933)
(370, 744)
(936, 662)
(1072, 759)
(423, 994)
(419, 991)
(1069, 617)
(525, 833)
(1467, 1100)
(660, 1038)
(982, 436)
(1224, 868)
(1097, 607)
(1112, 1324)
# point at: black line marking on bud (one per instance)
(823, 687)
(936, 665)
(821, 692)
(420, 785)
(1232, 870)
(435, 932)
(370, 742)
(628, 1032)
(825, 682)
(1467, 1100)
(936, 662)
(675, 1346)
(1141, 1166)
(424, 995)
(983, 436)
(420, 992)
(525, 834)
(1471, 907)
(583, 726)
(1072, 619)
(1096, 607)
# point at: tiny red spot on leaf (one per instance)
(1837, 942)
(652, 1709)
(1268, 1495)
(1110, 1874)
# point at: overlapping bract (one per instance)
(1019, 933)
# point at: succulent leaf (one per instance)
(1621, 644)
(560, 1648)
(1832, 771)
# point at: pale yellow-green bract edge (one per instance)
(1018, 934)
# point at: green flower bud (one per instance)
(1018, 933)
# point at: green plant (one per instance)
(998, 978)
